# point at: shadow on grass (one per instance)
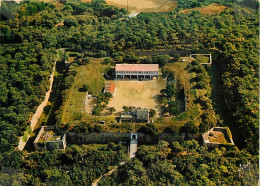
(220, 105)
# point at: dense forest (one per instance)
(29, 41)
(184, 164)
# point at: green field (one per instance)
(91, 75)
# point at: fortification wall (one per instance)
(163, 52)
(103, 138)
(81, 138)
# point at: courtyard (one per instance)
(144, 94)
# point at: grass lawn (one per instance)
(91, 75)
(184, 79)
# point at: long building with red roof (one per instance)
(136, 71)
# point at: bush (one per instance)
(149, 129)
(177, 57)
(189, 127)
(85, 87)
(170, 129)
(77, 115)
(196, 68)
(195, 62)
(68, 81)
(170, 90)
(98, 128)
(108, 60)
(102, 53)
(70, 21)
(97, 110)
(201, 85)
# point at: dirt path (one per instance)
(40, 108)
(95, 183)
(133, 149)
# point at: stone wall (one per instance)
(163, 52)
(81, 138)
(104, 138)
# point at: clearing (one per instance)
(143, 5)
(211, 9)
(144, 94)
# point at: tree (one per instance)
(97, 110)
(108, 60)
(170, 90)
(111, 110)
(177, 57)
(68, 81)
(152, 113)
(149, 129)
(176, 147)
(85, 87)
(70, 21)
(98, 128)
(190, 127)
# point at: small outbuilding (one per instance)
(110, 88)
(135, 115)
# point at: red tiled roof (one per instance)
(112, 88)
(137, 67)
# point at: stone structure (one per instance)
(136, 71)
(135, 115)
(217, 136)
(50, 139)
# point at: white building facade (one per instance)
(137, 71)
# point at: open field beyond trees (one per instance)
(143, 5)
(210, 9)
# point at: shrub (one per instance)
(150, 129)
(77, 115)
(195, 62)
(85, 87)
(108, 60)
(189, 127)
(98, 128)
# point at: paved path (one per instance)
(133, 148)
